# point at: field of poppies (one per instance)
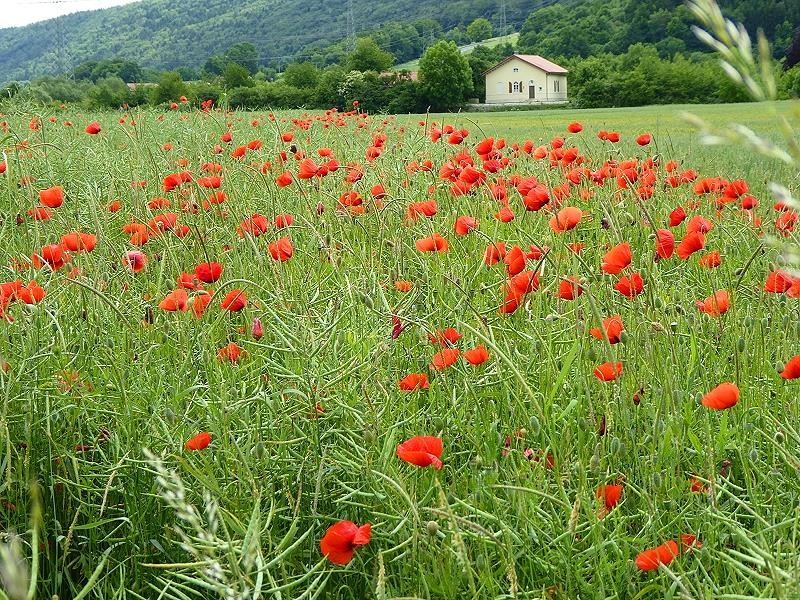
(512, 355)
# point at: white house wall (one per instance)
(548, 88)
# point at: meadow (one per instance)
(336, 355)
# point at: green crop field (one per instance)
(541, 354)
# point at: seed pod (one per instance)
(740, 344)
(534, 425)
(616, 446)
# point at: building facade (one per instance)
(526, 79)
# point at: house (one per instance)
(526, 79)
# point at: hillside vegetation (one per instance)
(164, 35)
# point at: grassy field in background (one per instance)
(554, 483)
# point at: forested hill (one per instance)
(164, 34)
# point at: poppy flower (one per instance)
(422, 450)
(210, 182)
(608, 371)
(650, 559)
(715, 305)
(689, 541)
(198, 442)
(700, 224)
(644, 139)
(93, 128)
(616, 259)
(711, 260)
(40, 213)
(284, 220)
(476, 356)
(281, 249)
(255, 225)
(630, 287)
(434, 243)
(52, 197)
(208, 272)
(613, 328)
(284, 179)
(342, 539)
(515, 261)
(494, 253)
(234, 301)
(444, 358)
(536, 198)
(465, 224)
(792, 368)
(575, 127)
(446, 337)
(525, 282)
(778, 282)
(609, 495)
(135, 260)
(79, 242)
(665, 243)
(690, 244)
(176, 300)
(231, 353)
(31, 293)
(200, 303)
(505, 215)
(569, 288)
(414, 381)
(725, 395)
(566, 219)
(677, 216)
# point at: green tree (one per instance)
(245, 55)
(170, 87)
(302, 75)
(445, 76)
(235, 75)
(480, 29)
(367, 56)
(109, 92)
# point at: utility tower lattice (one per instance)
(351, 26)
(503, 17)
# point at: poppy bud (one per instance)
(257, 330)
(259, 451)
(369, 437)
(657, 479)
(616, 446)
(367, 300)
(740, 344)
(623, 336)
(753, 455)
(659, 303)
(534, 424)
(432, 527)
(779, 437)
(594, 462)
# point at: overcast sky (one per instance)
(14, 13)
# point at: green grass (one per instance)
(305, 426)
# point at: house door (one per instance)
(531, 92)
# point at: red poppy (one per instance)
(342, 539)
(198, 442)
(677, 216)
(284, 179)
(444, 358)
(465, 224)
(234, 301)
(446, 337)
(231, 353)
(792, 368)
(477, 356)
(608, 371)
(566, 219)
(200, 303)
(283, 221)
(665, 243)
(135, 260)
(715, 305)
(40, 213)
(212, 181)
(689, 541)
(176, 300)
(434, 243)
(778, 282)
(208, 272)
(52, 197)
(255, 225)
(613, 328)
(423, 451)
(650, 559)
(569, 288)
(609, 494)
(630, 287)
(699, 223)
(281, 249)
(515, 261)
(725, 395)
(414, 381)
(30, 294)
(690, 244)
(93, 128)
(711, 260)
(644, 139)
(79, 242)
(575, 127)
(616, 259)
(494, 253)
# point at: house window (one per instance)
(555, 85)
(509, 87)
(516, 87)
(516, 69)
(498, 88)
